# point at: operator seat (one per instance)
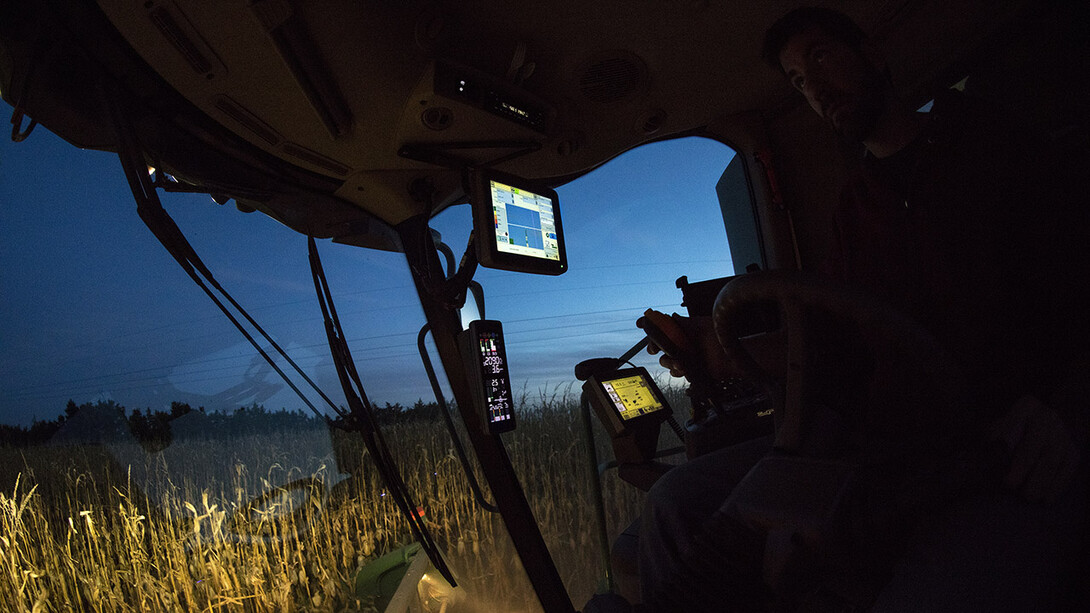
(624, 559)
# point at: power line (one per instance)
(313, 320)
(74, 386)
(188, 324)
(371, 311)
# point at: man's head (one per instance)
(826, 56)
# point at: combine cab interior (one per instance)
(358, 122)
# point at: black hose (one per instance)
(155, 217)
(362, 418)
(458, 448)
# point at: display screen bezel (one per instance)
(489, 252)
(489, 380)
(605, 404)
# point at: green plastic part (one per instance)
(379, 580)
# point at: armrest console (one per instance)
(803, 495)
(797, 503)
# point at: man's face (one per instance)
(841, 85)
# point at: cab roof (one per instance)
(344, 118)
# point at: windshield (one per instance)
(136, 419)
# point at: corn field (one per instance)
(268, 523)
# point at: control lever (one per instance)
(665, 331)
(587, 368)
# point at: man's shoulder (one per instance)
(968, 146)
(975, 122)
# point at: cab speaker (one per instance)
(613, 77)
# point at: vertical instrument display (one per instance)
(486, 358)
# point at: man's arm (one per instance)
(1046, 441)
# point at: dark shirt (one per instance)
(968, 232)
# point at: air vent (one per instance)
(247, 120)
(651, 122)
(317, 159)
(437, 118)
(613, 77)
(181, 34)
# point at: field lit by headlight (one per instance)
(262, 524)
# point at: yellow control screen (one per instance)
(631, 396)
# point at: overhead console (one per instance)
(462, 117)
(491, 94)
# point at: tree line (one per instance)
(153, 428)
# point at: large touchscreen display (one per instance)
(524, 222)
(517, 224)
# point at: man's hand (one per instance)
(699, 343)
(1044, 453)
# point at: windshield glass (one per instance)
(144, 438)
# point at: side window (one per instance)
(739, 216)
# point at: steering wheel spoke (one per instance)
(789, 432)
(905, 386)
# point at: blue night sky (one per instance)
(92, 307)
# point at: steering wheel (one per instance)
(906, 390)
(868, 450)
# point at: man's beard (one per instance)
(858, 121)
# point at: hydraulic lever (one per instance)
(665, 331)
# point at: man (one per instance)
(946, 220)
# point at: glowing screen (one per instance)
(524, 222)
(497, 386)
(631, 396)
